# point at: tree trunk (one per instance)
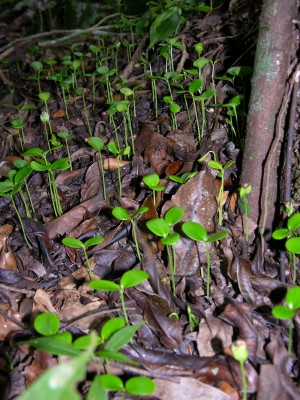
(273, 57)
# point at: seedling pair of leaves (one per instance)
(122, 214)
(112, 147)
(292, 300)
(197, 232)
(163, 227)
(292, 244)
(128, 279)
(152, 182)
(78, 244)
(113, 336)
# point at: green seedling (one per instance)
(193, 87)
(292, 244)
(23, 165)
(122, 106)
(42, 164)
(292, 300)
(18, 123)
(199, 64)
(232, 112)
(152, 181)
(128, 279)
(51, 62)
(121, 214)
(38, 68)
(174, 108)
(183, 178)
(78, 244)
(107, 73)
(244, 192)
(66, 136)
(81, 91)
(12, 186)
(193, 320)
(197, 232)
(45, 117)
(240, 353)
(203, 98)
(216, 165)
(167, 51)
(163, 227)
(98, 144)
(136, 386)
(112, 147)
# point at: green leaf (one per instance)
(22, 174)
(207, 94)
(140, 211)
(61, 164)
(96, 391)
(164, 25)
(6, 186)
(167, 99)
(293, 245)
(194, 231)
(294, 222)
(280, 233)
(215, 165)
(240, 71)
(93, 241)
(112, 147)
(34, 152)
(115, 356)
(122, 337)
(151, 180)
(60, 383)
(44, 96)
(173, 215)
(121, 214)
(140, 386)
(96, 142)
(175, 178)
(111, 382)
(36, 166)
(158, 226)
(37, 66)
(125, 151)
(282, 312)
(174, 108)
(171, 239)
(132, 278)
(83, 342)
(126, 91)
(292, 298)
(200, 62)
(53, 345)
(111, 326)
(229, 164)
(214, 237)
(72, 242)
(106, 286)
(195, 85)
(46, 324)
(64, 336)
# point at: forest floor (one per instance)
(175, 115)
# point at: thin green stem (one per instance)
(29, 196)
(28, 215)
(100, 163)
(119, 176)
(20, 222)
(135, 239)
(244, 381)
(123, 305)
(208, 269)
(87, 261)
(170, 258)
(294, 268)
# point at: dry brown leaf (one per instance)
(111, 164)
(42, 302)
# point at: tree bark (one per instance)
(270, 75)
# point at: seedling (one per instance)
(163, 227)
(292, 300)
(128, 279)
(78, 244)
(202, 98)
(197, 232)
(23, 165)
(199, 64)
(17, 123)
(292, 244)
(152, 181)
(244, 192)
(174, 108)
(112, 147)
(81, 91)
(221, 174)
(136, 386)
(193, 320)
(12, 186)
(42, 164)
(66, 136)
(183, 178)
(122, 214)
(38, 68)
(193, 87)
(98, 144)
(122, 106)
(240, 353)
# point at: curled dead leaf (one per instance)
(110, 164)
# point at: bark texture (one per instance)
(273, 57)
